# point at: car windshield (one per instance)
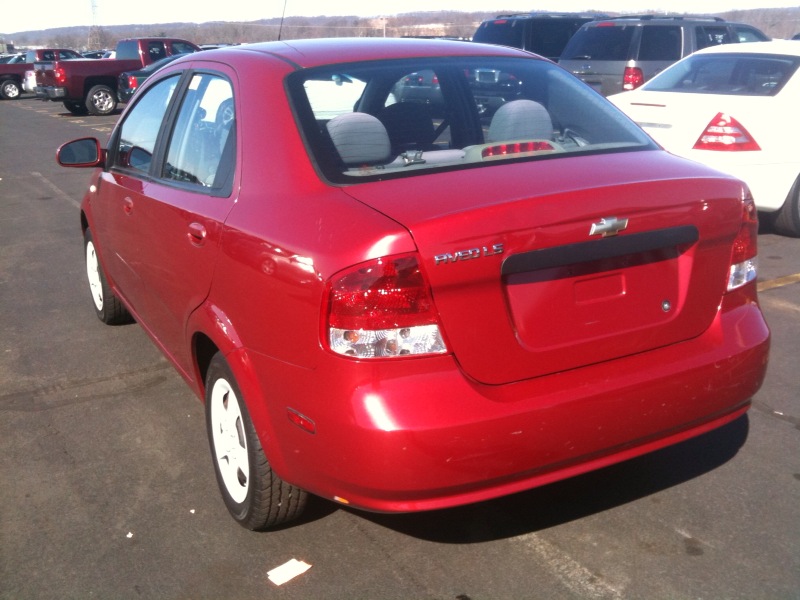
(727, 74)
(399, 118)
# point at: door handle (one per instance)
(197, 234)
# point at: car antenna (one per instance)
(283, 15)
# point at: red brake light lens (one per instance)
(383, 308)
(632, 78)
(515, 148)
(133, 83)
(59, 75)
(727, 134)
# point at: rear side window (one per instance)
(603, 42)
(730, 74)
(661, 43)
(200, 148)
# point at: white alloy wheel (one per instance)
(230, 442)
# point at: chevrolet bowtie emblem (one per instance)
(608, 226)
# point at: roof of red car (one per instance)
(314, 52)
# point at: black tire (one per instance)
(255, 496)
(10, 89)
(76, 108)
(107, 305)
(787, 220)
(101, 100)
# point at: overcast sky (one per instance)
(45, 14)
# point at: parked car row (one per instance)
(613, 54)
(732, 107)
(404, 307)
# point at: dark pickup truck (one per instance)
(13, 73)
(89, 86)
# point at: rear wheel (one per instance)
(76, 108)
(10, 89)
(101, 100)
(787, 220)
(254, 495)
(107, 305)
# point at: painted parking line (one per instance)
(575, 577)
(780, 282)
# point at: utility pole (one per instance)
(93, 42)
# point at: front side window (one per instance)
(181, 48)
(138, 134)
(406, 117)
(198, 151)
(712, 36)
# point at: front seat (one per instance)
(409, 125)
(520, 120)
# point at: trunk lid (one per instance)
(526, 283)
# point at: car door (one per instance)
(170, 234)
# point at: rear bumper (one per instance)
(50, 92)
(417, 435)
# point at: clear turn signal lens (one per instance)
(744, 256)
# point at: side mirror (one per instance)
(85, 152)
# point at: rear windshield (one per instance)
(547, 36)
(407, 117)
(503, 32)
(604, 42)
(730, 74)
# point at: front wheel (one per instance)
(107, 305)
(10, 89)
(101, 100)
(787, 219)
(254, 495)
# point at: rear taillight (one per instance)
(59, 75)
(133, 83)
(382, 308)
(727, 134)
(632, 78)
(744, 256)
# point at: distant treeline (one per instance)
(776, 22)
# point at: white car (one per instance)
(733, 107)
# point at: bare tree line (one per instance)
(776, 22)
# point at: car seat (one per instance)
(359, 139)
(520, 120)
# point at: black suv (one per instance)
(619, 54)
(545, 34)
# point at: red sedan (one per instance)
(405, 302)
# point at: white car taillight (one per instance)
(726, 134)
(383, 308)
(744, 256)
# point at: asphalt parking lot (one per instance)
(108, 489)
